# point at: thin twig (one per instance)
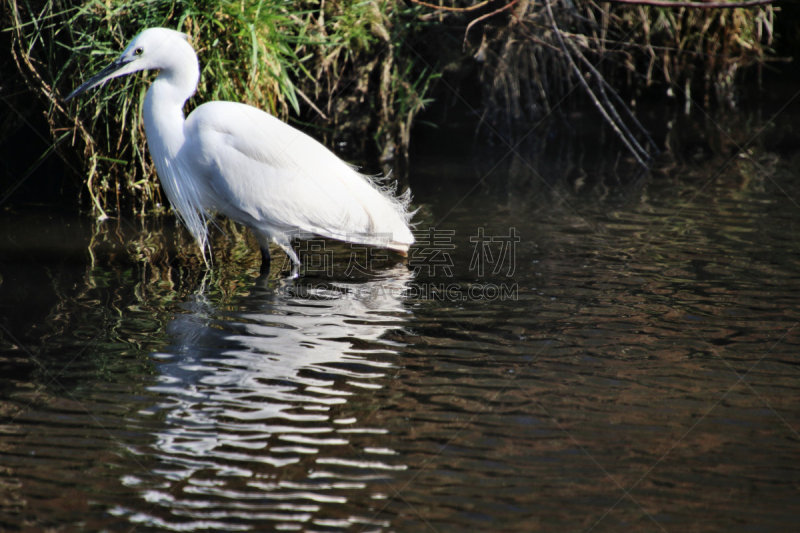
(602, 85)
(694, 5)
(448, 8)
(484, 17)
(630, 143)
(307, 100)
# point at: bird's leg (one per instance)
(265, 260)
(287, 248)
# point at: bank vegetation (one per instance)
(358, 74)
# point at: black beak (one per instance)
(98, 78)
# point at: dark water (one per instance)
(574, 348)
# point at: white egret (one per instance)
(239, 161)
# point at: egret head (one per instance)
(152, 49)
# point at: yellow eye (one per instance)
(139, 51)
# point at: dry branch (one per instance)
(486, 16)
(449, 8)
(694, 5)
(603, 105)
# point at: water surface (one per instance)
(572, 346)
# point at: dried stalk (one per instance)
(605, 106)
(694, 5)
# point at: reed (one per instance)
(684, 53)
(531, 56)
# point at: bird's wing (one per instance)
(260, 170)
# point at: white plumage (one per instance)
(239, 161)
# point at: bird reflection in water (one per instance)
(266, 406)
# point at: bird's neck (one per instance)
(164, 126)
(162, 114)
(163, 105)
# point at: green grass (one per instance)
(314, 65)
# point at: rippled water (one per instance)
(566, 352)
